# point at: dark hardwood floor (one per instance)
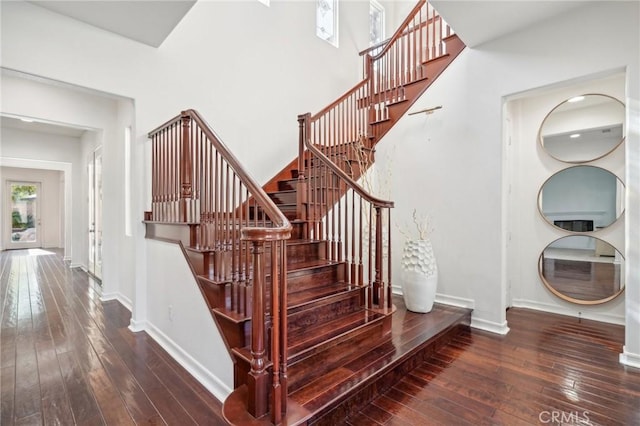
(550, 369)
(67, 358)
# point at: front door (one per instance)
(94, 169)
(23, 215)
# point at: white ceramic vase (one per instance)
(419, 276)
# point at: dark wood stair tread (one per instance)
(414, 336)
(306, 342)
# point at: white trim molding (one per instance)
(126, 302)
(629, 359)
(576, 312)
(460, 302)
(136, 326)
(490, 326)
(197, 370)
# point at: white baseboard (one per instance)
(136, 326)
(197, 370)
(576, 312)
(126, 302)
(77, 265)
(460, 302)
(629, 359)
(490, 326)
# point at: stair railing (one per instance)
(354, 223)
(196, 180)
(392, 64)
(336, 208)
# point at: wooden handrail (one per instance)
(401, 29)
(198, 181)
(377, 202)
(388, 40)
(282, 230)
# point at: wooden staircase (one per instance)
(297, 275)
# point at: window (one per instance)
(327, 20)
(376, 23)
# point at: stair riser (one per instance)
(283, 197)
(302, 280)
(354, 402)
(204, 262)
(336, 352)
(324, 311)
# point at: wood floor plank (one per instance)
(66, 359)
(548, 365)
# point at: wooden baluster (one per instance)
(301, 193)
(233, 273)
(369, 249)
(389, 300)
(283, 325)
(276, 395)
(257, 379)
(434, 40)
(377, 281)
(185, 168)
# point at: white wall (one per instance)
(50, 200)
(455, 156)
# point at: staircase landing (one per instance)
(413, 338)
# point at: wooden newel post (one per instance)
(378, 294)
(186, 189)
(368, 62)
(301, 197)
(257, 380)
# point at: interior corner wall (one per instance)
(450, 163)
(530, 167)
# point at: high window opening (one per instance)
(327, 20)
(376, 23)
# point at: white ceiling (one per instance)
(146, 21)
(479, 21)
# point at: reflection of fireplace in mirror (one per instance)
(579, 225)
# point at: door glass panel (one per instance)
(24, 213)
(98, 215)
(94, 171)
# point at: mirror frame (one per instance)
(546, 219)
(569, 298)
(541, 140)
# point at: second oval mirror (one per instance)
(583, 128)
(581, 199)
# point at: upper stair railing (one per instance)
(336, 146)
(198, 181)
(394, 63)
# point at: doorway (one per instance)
(94, 171)
(24, 215)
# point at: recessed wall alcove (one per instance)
(531, 225)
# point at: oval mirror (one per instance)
(583, 128)
(581, 199)
(582, 269)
